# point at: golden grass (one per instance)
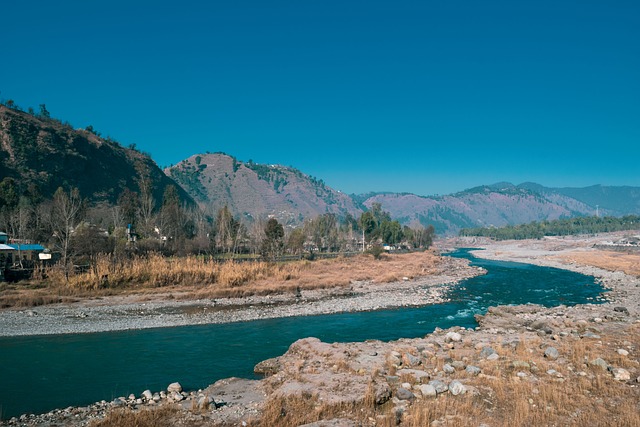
(607, 260)
(202, 277)
(164, 416)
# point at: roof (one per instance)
(6, 247)
(26, 247)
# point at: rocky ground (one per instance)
(131, 312)
(523, 365)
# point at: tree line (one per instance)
(559, 227)
(68, 225)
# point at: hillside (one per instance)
(47, 153)
(254, 191)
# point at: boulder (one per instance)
(448, 369)
(428, 390)
(620, 374)
(456, 388)
(473, 370)
(439, 386)
(411, 360)
(147, 395)
(404, 394)
(600, 363)
(174, 387)
(452, 337)
(551, 353)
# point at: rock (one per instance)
(458, 365)
(473, 370)
(268, 367)
(622, 352)
(621, 310)
(448, 369)
(428, 390)
(204, 402)
(487, 351)
(493, 357)
(174, 387)
(417, 375)
(176, 396)
(456, 388)
(147, 395)
(520, 364)
(411, 360)
(551, 353)
(452, 337)
(590, 335)
(439, 386)
(599, 363)
(620, 374)
(404, 394)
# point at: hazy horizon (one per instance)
(419, 97)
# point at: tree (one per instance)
(66, 213)
(44, 112)
(227, 230)
(295, 242)
(273, 242)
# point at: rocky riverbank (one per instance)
(121, 313)
(523, 365)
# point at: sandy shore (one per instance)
(122, 313)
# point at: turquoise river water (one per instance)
(40, 373)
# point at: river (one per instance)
(40, 373)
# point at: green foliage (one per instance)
(376, 250)
(273, 242)
(560, 227)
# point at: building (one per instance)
(28, 252)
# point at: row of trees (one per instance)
(560, 227)
(69, 226)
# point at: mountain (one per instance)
(506, 204)
(44, 152)
(254, 191)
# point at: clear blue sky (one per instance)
(428, 97)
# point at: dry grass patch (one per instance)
(204, 277)
(164, 416)
(607, 260)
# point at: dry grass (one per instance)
(164, 416)
(608, 260)
(201, 277)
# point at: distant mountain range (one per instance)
(45, 152)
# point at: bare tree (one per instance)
(66, 213)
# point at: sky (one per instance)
(427, 97)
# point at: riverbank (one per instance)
(142, 311)
(523, 365)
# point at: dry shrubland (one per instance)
(608, 260)
(200, 277)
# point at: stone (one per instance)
(599, 362)
(452, 337)
(456, 388)
(487, 351)
(427, 390)
(493, 357)
(448, 369)
(473, 370)
(439, 386)
(268, 367)
(620, 374)
(174, 387)
(520, 364)
(176, 396)
(623, 352)
(204, 402)
(417, 375)
(551, 353)
(411, 360)
(458, 365)
(147, 395)
(621, 310)
(404, 394)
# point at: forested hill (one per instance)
(505, 204)
(561, 227)
(39, 154)
(252, 190)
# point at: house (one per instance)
(28, 252)
(4, 238)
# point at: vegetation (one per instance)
(560, 227)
